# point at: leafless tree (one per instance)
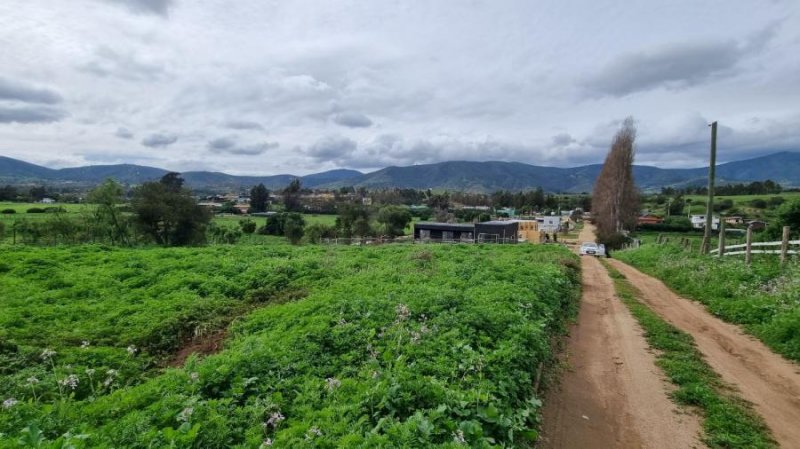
(615, 199)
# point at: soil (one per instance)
(762, 377)
(202, 346)
(612, 395)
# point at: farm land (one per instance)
(321, 346)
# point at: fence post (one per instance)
(748, 255)
(721, 250)
(785, 245)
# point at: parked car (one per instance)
(589, 249)
(601, 250)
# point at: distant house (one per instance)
(549, 223)
(757, 225)
(507, 211)
(734, 220)
(48, 200)
(699, 222)
(528, 231)
(497, 231)
(649, 220)
(486, 232)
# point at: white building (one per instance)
(549, 223)
(699, 222)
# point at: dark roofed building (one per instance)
(496, 231)
(443, 231)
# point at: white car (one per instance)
(601, 250)
(588, 249)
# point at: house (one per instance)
(699, 222)
(549, 223)
(649, 220)
(46, 200)
(507, 212)
(486, 232)
(497, 231)
(734, 220)
(757, 225)
(446, 232)
(528, 231)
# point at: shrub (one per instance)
(35, 210)
(758, 203)
(247, 226)
(8, 211)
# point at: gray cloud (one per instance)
(30, 114)
(123, 133)
(109, 63)
(243, 125)
(352, 120)
(229, 145)
(331, 148)
(159, 7)
(16, 91)
(159, 140)
(562, 140)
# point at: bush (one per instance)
(758, 203)
(54, 210)
(35, 210)
(318, 231)
(294, 227)
(247, 226)
(8, 211)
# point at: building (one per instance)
(757, 225)
(549, 223)
(528, 231)
(497, 231)
(734, 220)
(486, 232)
(649, 220)
(699, 222)
(447, 232)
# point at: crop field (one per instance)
(389, 346)
(763, 297)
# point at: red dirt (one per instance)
(762, 377)
(613, 395)
(204, 345)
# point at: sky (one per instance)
(263, 87)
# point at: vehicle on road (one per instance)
(588, 249)
(601, 250)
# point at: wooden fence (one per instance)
(784, 247)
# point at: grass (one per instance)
(389, 346)
(762, 297)
(728, 421)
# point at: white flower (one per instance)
(90, 372)
(458, 437)
(132, 350)
(186, 414)
(402, 312)
(84, 344)
(332, 383)
(274, 419)
(313, 433)
(32, 380)
(194, 376)
(111, 373)
(10, 402)
(47, 354)
(267, 443)
(70, 381)
(415, 337)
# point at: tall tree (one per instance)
(615, 199)
(107, 218)
(291, 196)
(259, 198)
(393, 220)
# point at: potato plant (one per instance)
(392, 346)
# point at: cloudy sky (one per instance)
(295, 86)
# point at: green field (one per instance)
(388, 346)
(762, 297)
(740, 202)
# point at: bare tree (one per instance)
(615, 199)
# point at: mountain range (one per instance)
(783, 167)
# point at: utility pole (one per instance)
(712, 168)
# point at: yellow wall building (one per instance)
(528, 231)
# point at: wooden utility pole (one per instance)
(721, 250)
(748, 249)
(712, 169)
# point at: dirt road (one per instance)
(762, 377)
(612, 395)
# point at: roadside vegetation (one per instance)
(728, 421)
(390, 346)
(762, 297)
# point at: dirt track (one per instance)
(612, 395)
(762, 377)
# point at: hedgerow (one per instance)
(395, 346)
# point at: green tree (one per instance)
(393, 220)
(788, 215)
(291, 196)
(247, 226)
(107, 220)
(349, 215)
(168, 213)
(294, 227)
(259, 198)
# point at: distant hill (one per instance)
(454, 175)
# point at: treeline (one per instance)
(767, 187)
(37, 193)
